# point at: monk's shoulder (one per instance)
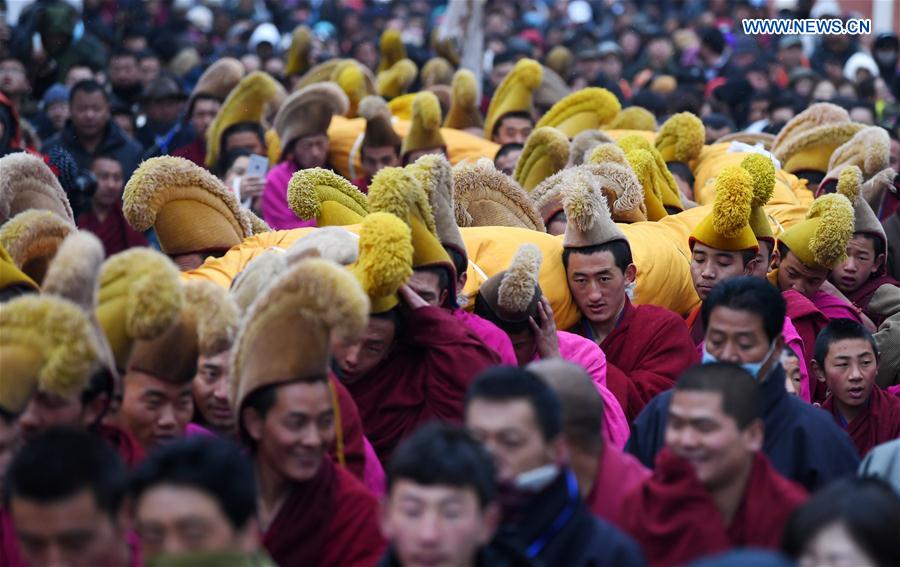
(656, 319)
(351, 492)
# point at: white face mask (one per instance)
(752, 368)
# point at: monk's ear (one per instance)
(384, 517)
(776, 259)
(491, 523)
(560, 450)
(818, 371)
(630, 273)
(461, 282)
(879, 262)
(253, 423)
(753, 435)
(750, 266)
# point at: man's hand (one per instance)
(411, 298)
(252, 186)
(545, 335)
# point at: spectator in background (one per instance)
(77, 73)
(124, 117)
(715, 54)
(90, 132)
(234, 174)
(162, 103)
(124, 75)
(802, 81)
(54, 111)
(717, 125)
(862, 112)
(507, 157)
(104, 217)
(790, 54)
(202, 110)
(150, 67)
(14, 84)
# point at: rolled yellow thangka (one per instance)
(586, 109)
(546, 151)
(327, 197)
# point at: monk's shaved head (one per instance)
(740, 393)
(582, 406)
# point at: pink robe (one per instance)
(491, 335)
(275, 209)
(585, 353)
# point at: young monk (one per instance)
(713, 488)
(847, 361)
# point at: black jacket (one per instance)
(115, 143)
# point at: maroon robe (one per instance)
(425, 378)
(114, 231)
(675, 519)
(861, 296)
(617, 475)
(351, 431)
(808, 321)
(195, 151)
(362, 183)
(645, 353)
(329, 520)
(123, 442)
(877, 423)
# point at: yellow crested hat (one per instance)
(514, 94)
(588, 222)
(327, 197)
(13, 281)
(436, 71)
(188, 207)
(385, 260)
(464, 112)
(298, 58)
(425, 128)
(308, 112)
(727, 226)
(584, 142)
(31, 238)
(633, 118)
(397, 79)
(820, 240)
(658, 172)
(681, 138)
(584, 109)
(486, 196)
(435, 174)
(807, 141)
(849, 185)
(26, 182)
(546, 151)
(391, 48)
(762, 171)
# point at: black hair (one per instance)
(104, 155)
(840, 330)
(122, 53)
(877, 242)
(444, 283)
(865, 90)
(507, 148)
(8, 417)
(87, 86)
(619, 249)
(101, 382)
(211, 465)
(867, 508)
(718, 121)
(752, 294)
(147, 54)
(508, 383)
(713, 39)
(740, 393)
(440, 454)
(59, 463)
(460, 261)
(254, 127)
(650, 100)
(195, 99)
(524, 114)
(682, 170)
(262, 400)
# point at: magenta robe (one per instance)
(492, 335)
(275, 209)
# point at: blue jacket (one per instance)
(802, 441)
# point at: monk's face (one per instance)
(850, 369)
(700, 431)
(427, 285)
(356, 359)
(763, 259)
(710, 266)
(154, 411)
(293, 436)
(513, 130)
(509, 430)
(436, 525)
(210, 390)
(46, 410)
(860, 265)
(792, 374)
(174, 519)
(507, 162)
(794, 274)
(739, 336)
(311, 151)
(376, 158)
(598, 285)
(835, 545)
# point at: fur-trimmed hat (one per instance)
(584, 142)
(513, 295)
(585, 109)
(425, 129)
(250, 101)
(514, 94)
(32, 238)
(308, 112)
(807, 141)
(46, 344)
(762, 172)
(13, 281)
(26, 182)
(139, 298)
(486, 196)
(331, 242)
(349, 76)
(385, 259)
(217, 327)
(727, 226)
(634, 118)
(397, 79)
(188, 207)
(436, 71)
(560, 59)
(588, 222)
(820, 240)
(391, 49)
(546, 151)
(865, 222)
(286, 334)
(464, 112)
(379, 131)
(681, 138)
(336, 71)
(869, 150)
(219, 79)
(644, 166)
(399, 192)
(551, 89)
(435, 174)
(327, 197)
(297, 58)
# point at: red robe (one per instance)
(123, 442)
(808, 321)
(675, 520)
(114, 231)
(351, 432)
(195, 151)
(861, 297)
(10, 556)
(330, 520)
(877, 423)
(362, 183)
(645, 353)
(425, 378)
(617, 475)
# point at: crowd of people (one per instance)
(465, 283)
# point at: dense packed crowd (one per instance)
(465, 283)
